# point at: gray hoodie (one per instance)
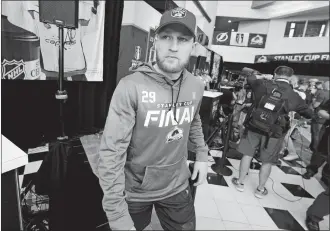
(143, 150)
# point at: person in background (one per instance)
(288, 144)
(316, 161)
(207, 79)
(320, 97)
(320, 206)
(268, 146)
(294, 81)
(153, 114)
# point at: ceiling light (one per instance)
(229, 21)
(232, 30)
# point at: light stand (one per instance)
(219, 167)
(61, 94)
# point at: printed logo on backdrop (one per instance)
(239, 39)
(221, 38)
(13, 69)
(178, 13)
(257, 40)
(297, 58)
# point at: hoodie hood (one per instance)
(148, 70)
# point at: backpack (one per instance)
(268, 115)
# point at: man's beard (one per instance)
(170, 68)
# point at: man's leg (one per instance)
(318, 210)
(292, 151)
(317, 161)
(264, 174)
(140, 213)
(244, 167)
(177, 212)
(315, 133)
(269, 155)
(247, 147)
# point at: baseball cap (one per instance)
(178, 16)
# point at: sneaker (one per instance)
(260, 193)
(312, 225)
(238, 186)
(291, 157)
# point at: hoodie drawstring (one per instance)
(177, 98)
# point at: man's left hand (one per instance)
(200, 170)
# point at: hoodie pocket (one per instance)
(164, 176)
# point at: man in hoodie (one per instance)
(153, 114)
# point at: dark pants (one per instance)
(318, 158)
(320, 207)
(174, 213)
(315, 132)
(316, 162)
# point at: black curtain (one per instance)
(30, 112)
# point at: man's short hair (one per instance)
(284, 71)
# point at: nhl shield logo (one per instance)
(178, 13)
(12, 69)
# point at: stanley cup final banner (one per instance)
(30, 48)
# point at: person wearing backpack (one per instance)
(267, 123)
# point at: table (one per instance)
(12, 158)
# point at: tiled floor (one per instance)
(219, 206)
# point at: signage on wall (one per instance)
(221, 38)
(257, 40)
(297, 58)
(137, 55)
(202, 38)
(151, 54)
(239, 39)
(228, 38)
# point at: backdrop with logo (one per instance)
(30, 47)
(132, 49)
(231, 38)
(297, 58)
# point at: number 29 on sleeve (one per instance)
(148, 97)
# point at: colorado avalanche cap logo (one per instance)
(178, 13)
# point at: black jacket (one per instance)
(294, 101)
